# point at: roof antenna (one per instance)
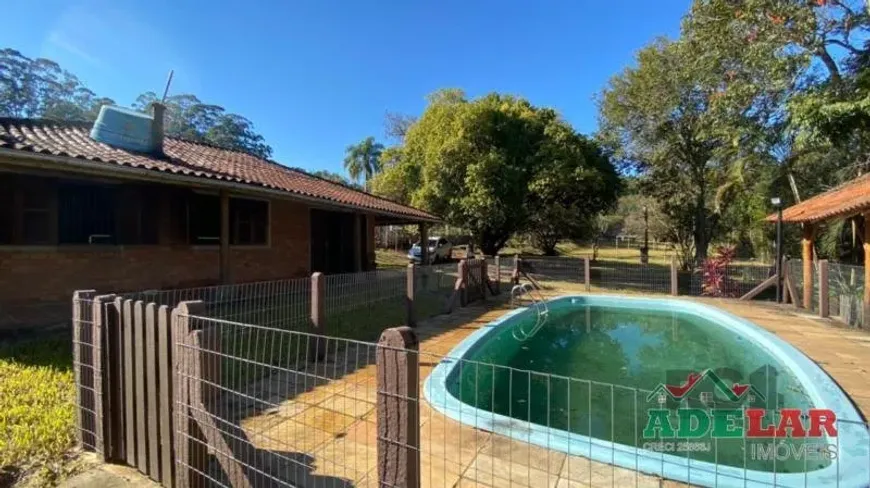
(168, 83)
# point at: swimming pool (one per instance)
(587, 382)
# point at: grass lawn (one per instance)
(37, 410)
(387, 258)
(630, 254)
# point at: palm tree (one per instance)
(363, 159)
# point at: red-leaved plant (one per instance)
(714, 271)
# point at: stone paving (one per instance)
(327, 436)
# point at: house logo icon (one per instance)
(737, 392)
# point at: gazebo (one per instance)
(847, 200)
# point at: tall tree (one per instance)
(363, 159)
(797, 63)
(41, 88)
(654, 116)
(189, 118)
(489, 164)
(576, 181)
(804, 62)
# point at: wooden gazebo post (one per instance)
(807, 255)
(845, 201)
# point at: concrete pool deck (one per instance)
(334, 424)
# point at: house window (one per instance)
(37, 211)
(249, 222)
(33, 211)
(7, 211)
(86, 215)
(138, 215)
(204, 219)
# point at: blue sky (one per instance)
(316, 76)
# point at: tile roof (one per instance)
(188, 158)
(845, 200)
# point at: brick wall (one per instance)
(288, 256)
(34, 276)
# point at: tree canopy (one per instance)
(40, 88)
(656, 118)
(336, 177)
(752, 94)
(498, 165)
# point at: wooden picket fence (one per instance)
(124, 373)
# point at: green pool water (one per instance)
(562, 377)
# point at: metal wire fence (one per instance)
(349, 291)
(506, 265)
(361, 305)
(475, 287)
(796, 276)
(281, 303)
(88, 372)
(621, 275)
(845, 290)
(567, 269)
(308, 420)
(434, 287)
(845, 283)
(337, 412)
(846, 293)
(735, 280)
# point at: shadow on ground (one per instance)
(259, 421)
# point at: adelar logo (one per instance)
(732, 422)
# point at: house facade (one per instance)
(77, 212)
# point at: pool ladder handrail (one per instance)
(541, 309)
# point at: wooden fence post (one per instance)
(125, 306)
(517, 266)
(152, 394)
(108, 383)
(189, 443)
(823, 289)
(484, 277)
(807, 257)
(165, 358)
(318, 319)
(398, 408)
(138, 319)
(463, 276)
(410, 288)
(675, 278)
(587, 274)
(497, 260)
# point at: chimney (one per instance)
(158, 110)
